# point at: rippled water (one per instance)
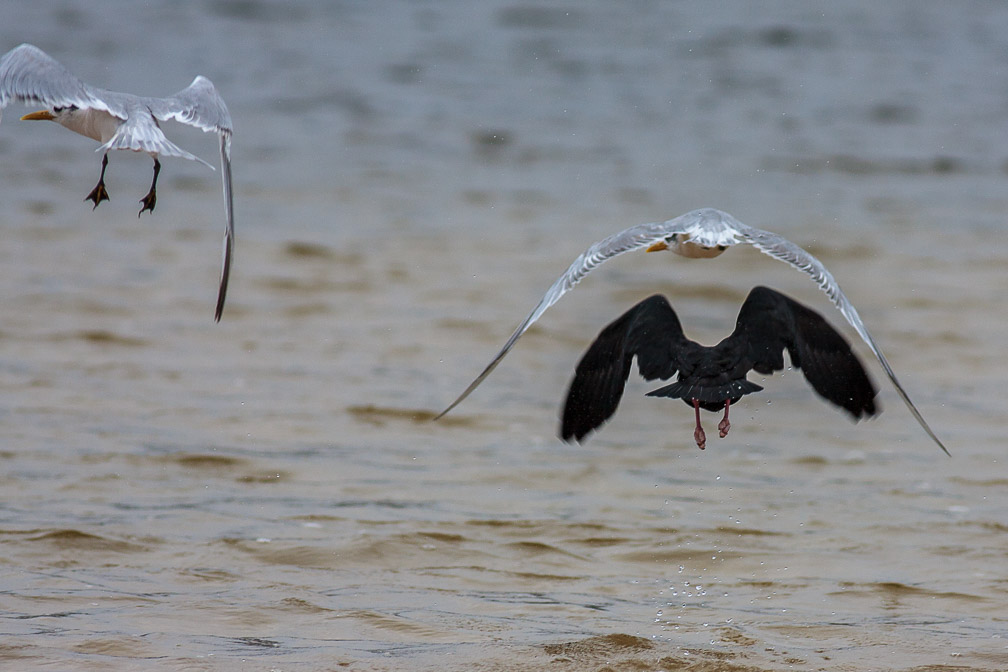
(269, 492)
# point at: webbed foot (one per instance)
(148, 202)
(98, 194)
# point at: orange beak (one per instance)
(41, 115)
(658, 247)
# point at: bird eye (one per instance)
(58, 109)
(722, 247)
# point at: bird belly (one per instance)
(95, 124)
(694, 251)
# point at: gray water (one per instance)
(269, 492)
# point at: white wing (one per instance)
(633, 238)
(201, 106)
(29, 75)
(225, 152)
(197, 105)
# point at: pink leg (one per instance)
(724, 425)
(698, 435)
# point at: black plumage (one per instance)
(714, 377)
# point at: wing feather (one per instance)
(651, 332)
(29, 75)
(229, 236)
(197, 105)
(770, 322)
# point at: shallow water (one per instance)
(269, 492)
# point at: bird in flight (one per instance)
(703, 233)
(122, 121)
(713, 377)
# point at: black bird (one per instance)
(714, 377)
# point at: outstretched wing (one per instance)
(197, 105)
(770, 322)
(651, 332)
(229, 235)
(201, 106)
(780, 248)
(29, 75)
(634, 238)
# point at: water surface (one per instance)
(269, 492)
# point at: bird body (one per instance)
(714, 377)
(122, 121)
(710, 375)
(702, 233)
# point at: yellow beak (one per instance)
(658, 247)
(41, 115)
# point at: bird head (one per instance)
(686, 245)
(61, 115)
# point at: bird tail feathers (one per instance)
(153, 146)
(714, 395)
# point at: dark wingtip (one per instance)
(220, 302)
(225, 275)
(453, 404)
(571, 435)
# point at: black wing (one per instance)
(771, 322)
(651, 332)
